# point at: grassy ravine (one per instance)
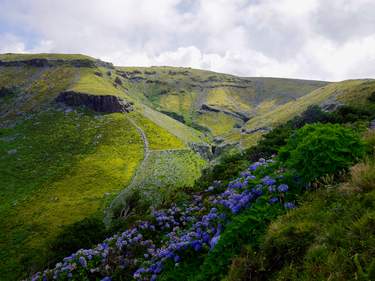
(182, 91)
(56, 173)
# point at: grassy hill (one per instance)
(61, 164)
(201, 98)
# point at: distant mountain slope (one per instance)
(202, 98)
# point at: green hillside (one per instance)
(200, 98)
(61, 163)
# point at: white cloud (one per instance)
(10, 43)
(316, 39)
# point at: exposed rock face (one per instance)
(251, 131)
(203, 149)
(99, 103)
(210, 108)
(56, 62)
(330, 105)
(218, 150)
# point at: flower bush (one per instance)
(170, 235)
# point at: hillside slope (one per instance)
(213, 102)
(120, 127)
(61, 164)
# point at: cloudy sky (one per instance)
(314, 39)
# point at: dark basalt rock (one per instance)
(203, 149)
(252, 131)
(210, 108)
(99, 103)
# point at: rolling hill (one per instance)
(77, 133)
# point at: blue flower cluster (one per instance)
(145, 249)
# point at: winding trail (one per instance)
(146, 154)
(119, 200)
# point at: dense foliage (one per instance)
(82, 234)
(317, 150)
(222, 232)
(329, 237)
(171, 235)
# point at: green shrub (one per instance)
(371, 98)
(320, 149)
(245, 229)
(347, 114)
(313, 114)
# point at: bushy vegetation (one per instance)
(81, 234)
(180, 232)
(330, 236)
(234, 223)
(318, 150)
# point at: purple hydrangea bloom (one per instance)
(214, 241)
(283, 188)
(273, 200)
(268, 180)
(289, 205)
(83, 262)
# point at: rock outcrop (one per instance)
(210, 108)
(98, 103)
(203, 149)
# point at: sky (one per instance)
(312, 39)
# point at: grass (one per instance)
(90, 83)
(158, 138)
(341, 91)
(35, 87)
(329, 237)
(165, 172)
(219, 123)
(78, 163)
(159, 179)
(19, 56)
(228, 99)
(184, 90)
(183, 132)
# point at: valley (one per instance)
(81, 138)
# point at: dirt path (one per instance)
(120, 199)
(146, 154)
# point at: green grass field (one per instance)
(57, 169)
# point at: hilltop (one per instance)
(82, 139)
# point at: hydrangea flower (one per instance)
(195, 225)
(283, 188)
(289, 205)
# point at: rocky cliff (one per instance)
(99, 103)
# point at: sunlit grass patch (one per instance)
(158, 138)
(219, 123)
(165, 172)
(57, 169)
(181, 131)
(93, 84)
(290, 109)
